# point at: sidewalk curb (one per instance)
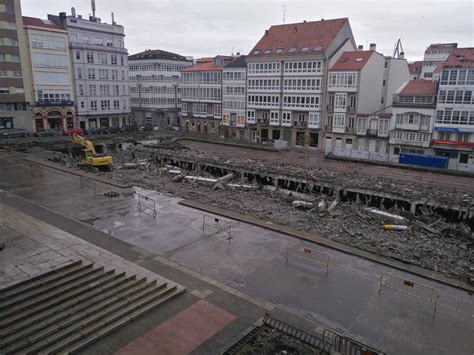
(310, 237)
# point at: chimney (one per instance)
(113, 19)
(360, 47)
(62, 19)
(266, 32)
(401, 55)
(373, 47)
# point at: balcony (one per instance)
(330, 108)
(42, 103)
(233, 123)
(314, 125)
(286, 123)
(298, 124)
(396, 141)
(275, 122)
(351, 109)
(328, 128)
(262, 121)
(350, 130)
(372, 132)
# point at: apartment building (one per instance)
(52, 85)
(100, 69)
(414, 108)
(359, 103)
(435, 54)
(234, 82)
(415, 69)
(155, 90)
(201, 107)
(14, 70)
(454, 123)
(286, 80)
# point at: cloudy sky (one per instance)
(208, 27)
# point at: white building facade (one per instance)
(286, 80)
(411, 128)
(100, 69)
(234, 79)
(435, 54)
(155, 90)
(52, 104)
(454, 123)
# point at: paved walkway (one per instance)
(254, 264)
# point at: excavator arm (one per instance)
(87, 144)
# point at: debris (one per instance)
(333, 205)
(385, 214)
(227, 177)
(322, 205)
(395, 227)
(178, 178)
(111, 194)
(302, 204)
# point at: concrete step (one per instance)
(111, 323)
(17, 287)
(35, 306)
(45, 323)
(112, 327)
(46, 285)
(76, 330)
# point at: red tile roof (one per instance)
(37, 22)
(352, 60)
(419, 87)
(316, 36)
(203, 67)
(460, 58)
(415, 67)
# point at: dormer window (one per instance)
(257, 51)
(305, 49)
(292, 50)
(318, 48)
(344, 60)
(279, 50)
(359, 59)
(267, 51)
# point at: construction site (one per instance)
(346, 230)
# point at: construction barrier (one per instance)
(86, 183)
(412, 288)
(146, 205)
(216, 225)
(312, 255)
(347, 346)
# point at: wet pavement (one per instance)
(254, 262)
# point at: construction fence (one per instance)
(212, 225)
(310, 255)
(146, 205)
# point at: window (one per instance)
(116, 90)
(340, 101)
(467, 96)
(91, 73)
(104, 90)
(49, 60)
(113, 59)
(81, 89)
(105, 105)
(217, 111)
(251, 115)
(274, 117)
(458, 98)
(122, 60)
(49, 42)
(444, 136)
(450, 97)
(92, 90)
(114, 74)
(93, 105)
(339, 121)
(313, 119)
(102, 58)
(384, 82)
(103, 74)
(78, 55)
(79, 73)
(90, 57)
(116, 104)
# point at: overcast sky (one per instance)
(209, 27)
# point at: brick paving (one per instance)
(182, 333)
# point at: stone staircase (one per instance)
(68, 309)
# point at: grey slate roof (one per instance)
(157, 54)
(238, 62)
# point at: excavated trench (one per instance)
(371, 198)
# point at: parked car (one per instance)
(71, 131)
(15, 133)
(46, 133)
(114, 130)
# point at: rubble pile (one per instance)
(426, 239)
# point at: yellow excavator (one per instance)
(90, 159)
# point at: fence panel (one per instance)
(347, 346)
(146, 205)
(412, 288)
(86, 183)
(216, 225)
(312, 255)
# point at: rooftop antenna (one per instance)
(113, 19)
(284, 12)
(93, 9)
